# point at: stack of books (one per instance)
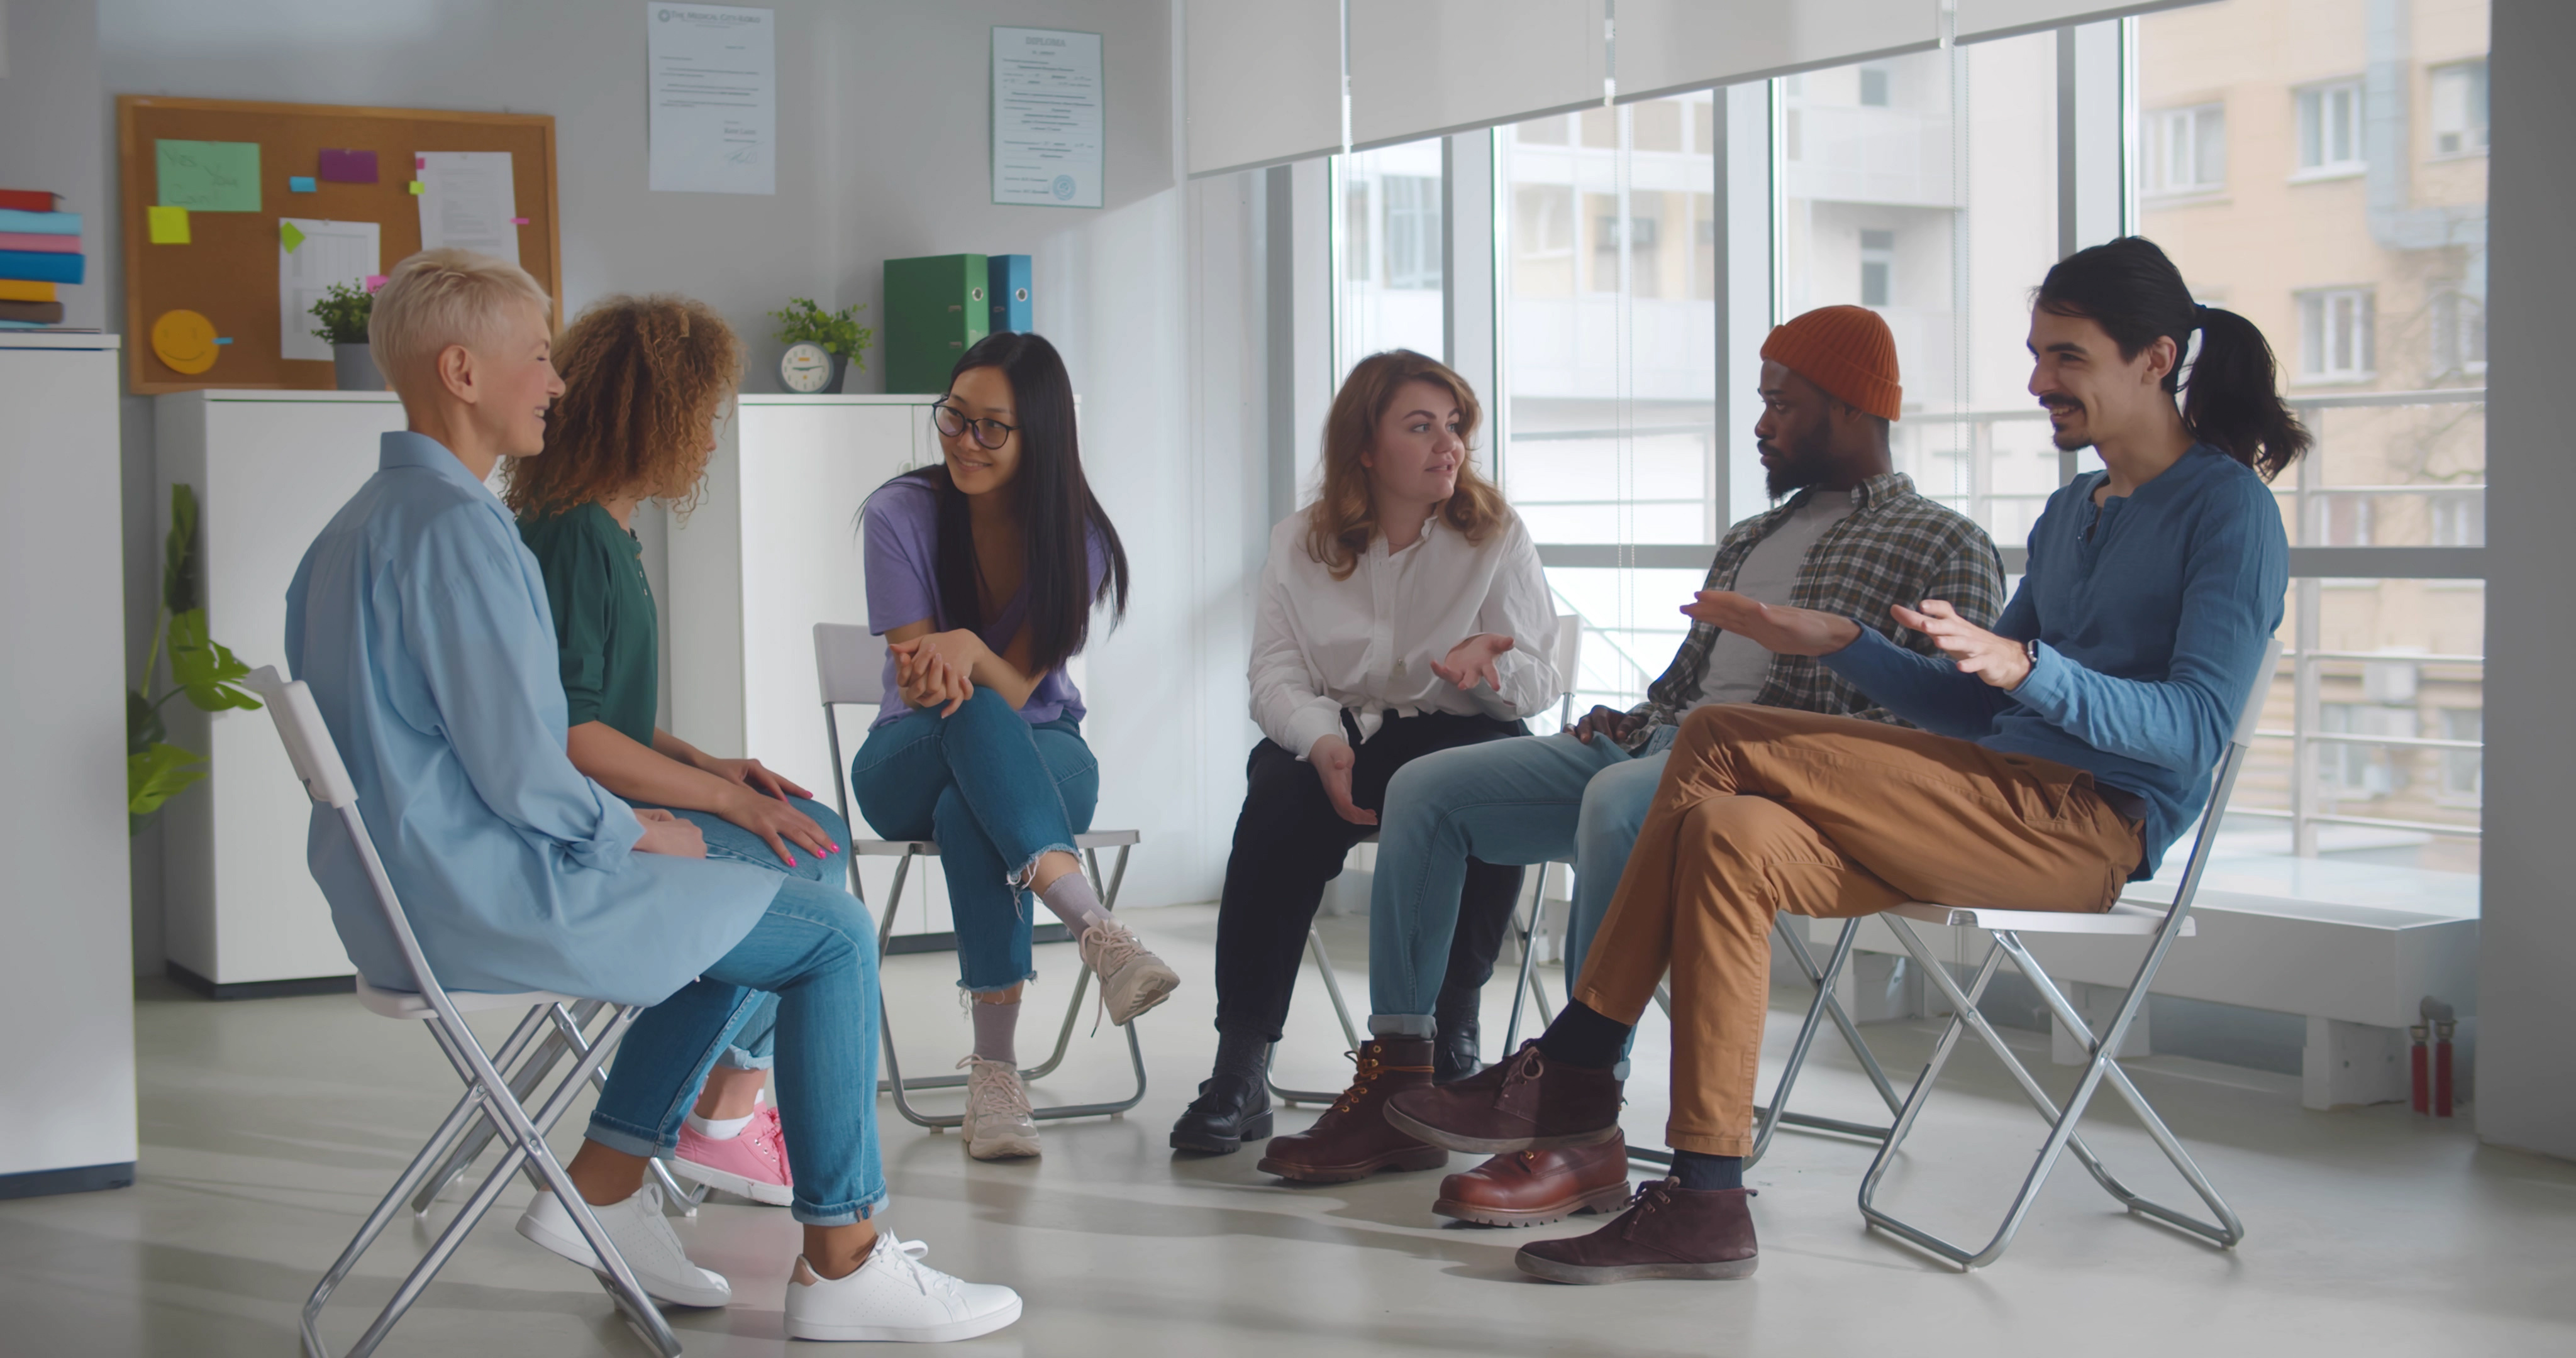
(39, 252)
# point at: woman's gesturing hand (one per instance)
(937, 670)
(2001, 661)
(1333, 761)
(1782, 631)
(665, 833)
(1472, 660)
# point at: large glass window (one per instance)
(2375, 301)
(1387, 251)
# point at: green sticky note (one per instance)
(169, 225)
(288, 236)
(209, 176)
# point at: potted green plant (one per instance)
(343, 312)
(200, 667)
(836, 333)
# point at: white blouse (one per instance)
(1367, 643)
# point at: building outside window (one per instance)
(1387, 249)
(2335, 335)
(2190, 150)
(1877, 262)
(2459, 336)
(1412, 230)
(2330, 141)
(2459, 112)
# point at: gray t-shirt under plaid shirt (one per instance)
(1895, 547)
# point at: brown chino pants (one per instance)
(1763, 809)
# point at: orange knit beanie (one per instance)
(1846, 350)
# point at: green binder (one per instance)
(935, 309)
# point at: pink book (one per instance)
(51, 245)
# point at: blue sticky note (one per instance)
(299, 183)
(227, 339)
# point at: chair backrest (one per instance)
(1568, 655)
(849, 664)
(2222, 785)
(308, 741)
(2251, 715)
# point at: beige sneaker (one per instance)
(998, 1125)
(1132, 980)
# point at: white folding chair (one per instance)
(326, 779)
(2160, 928)
(1567, 655)
(849, 664)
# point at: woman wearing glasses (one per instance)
(982, 574)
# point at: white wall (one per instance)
(49, 96)
(883, 128)
(2527, 939)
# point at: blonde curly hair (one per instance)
(643, 379)
(1344, 517)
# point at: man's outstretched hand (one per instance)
(1782, 631)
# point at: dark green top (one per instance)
(605, 630)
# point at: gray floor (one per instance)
(270, 1127)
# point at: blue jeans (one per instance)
(1542, 800)
(755, 1042)
(816, 951)
(997, 794)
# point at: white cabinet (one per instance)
(270, 468)
(772, 550)
(66, 911)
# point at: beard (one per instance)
(2073, 437)
(1802, 464)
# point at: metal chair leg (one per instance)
(1341, 1010)
(523, 1082)
(1530, 985)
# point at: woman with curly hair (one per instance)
(646, 379)
(1403, 612)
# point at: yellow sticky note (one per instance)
(169, 225)
(288, 236)
(415, 188)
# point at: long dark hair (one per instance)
(1057, 510)
(2232, 400)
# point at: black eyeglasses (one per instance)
(951, 421)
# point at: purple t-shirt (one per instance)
(900, 524)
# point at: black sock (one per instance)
(1581, 1036)
(1241, 1053)
(1708, 1173)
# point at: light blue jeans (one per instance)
(1546, 799)
(997, 793)
(816, 951)
(755, 1043)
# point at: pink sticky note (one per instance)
(347, 167)
(518, 221)
(375, 281)
(420, 162)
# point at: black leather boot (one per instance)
(1230, 1110)
(1455, 1049)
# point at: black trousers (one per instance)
(1289, 842)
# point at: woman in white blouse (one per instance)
(1403, 612)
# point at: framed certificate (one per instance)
(1048, 119)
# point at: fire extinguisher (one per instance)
(2441, 1022)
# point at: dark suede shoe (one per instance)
(1668, 1232)
(1229, 1111)
(1532, 1188)
(1528, 1103)
(1352, 1139)
(1458, 1051)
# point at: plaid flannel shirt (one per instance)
(1896, 547)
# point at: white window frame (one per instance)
(2321, 311)
(2176, 138)
(2473, 128)
(2317, 111)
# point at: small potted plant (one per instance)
(343, 312)
(837, 333)
(201, 668)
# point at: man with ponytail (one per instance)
(2060, 753)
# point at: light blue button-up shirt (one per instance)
(420, 622)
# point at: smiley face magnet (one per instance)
(185, 342)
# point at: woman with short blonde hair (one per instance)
(1402, 612)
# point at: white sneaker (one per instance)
(998, 1125)
(1132, 980)
(642, 1237)
(895, 1296)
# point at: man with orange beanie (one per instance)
(1852, 537)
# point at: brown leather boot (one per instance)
(1532, 1188)
(1670, 1232)
(1352, 1139)
(1527, 1103)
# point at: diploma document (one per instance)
(1048, 127)
(712, 78)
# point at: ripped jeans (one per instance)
(996, 793)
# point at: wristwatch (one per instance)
(2030, 650)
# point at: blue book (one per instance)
(1007, 284)
(28, 266)
(40, 223)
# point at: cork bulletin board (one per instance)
(227, 270)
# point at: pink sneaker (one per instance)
(751, 1165)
